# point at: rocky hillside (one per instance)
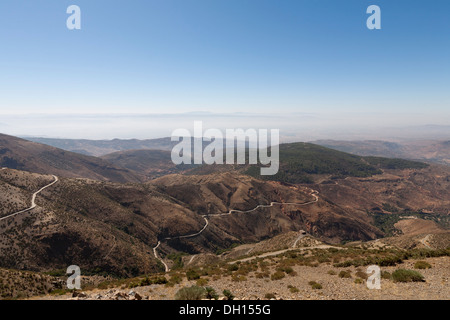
(112, 228)
(16, 153)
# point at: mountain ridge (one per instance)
(17, 153)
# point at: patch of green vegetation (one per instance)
(345, 274)
(278, 275)
(228, 294)
(148, 281)
(238, 278)
(422, 265)
(57, 273)
(387, 257)
(406, 275)
(233, 267)
(174, 279)
(177, 259)
(286, 269)
(395, 163)
(298, 161)
(60, 292)
(211, 293)
(293, 289)
(202, 282)
(382, 261)
(191, 293)
(192, 274)
(315, 285)
(385, 222)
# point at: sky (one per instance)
(225, 56)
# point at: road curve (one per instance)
(158, 258)
(33, 199)
(155, 253)
(313, 193)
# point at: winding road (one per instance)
(158, 258)
(33, 199)
(313, 193)
(205, 217)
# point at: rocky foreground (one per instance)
(297, 286)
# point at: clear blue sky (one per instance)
(158, 56)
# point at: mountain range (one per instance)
(128, 212)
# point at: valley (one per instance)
(132, 213)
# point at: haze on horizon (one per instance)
(141, 70)
(293, 127)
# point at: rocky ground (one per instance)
(297, 287)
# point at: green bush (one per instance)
(233, 267)
(388, 261)
(228, 294)
(344, 264)
(286, 269)
(149, 281)
(174, 279)
(405, 275)
(191, 293)
(192, 275)
(422, 265)
(238, 278)
(159, 280)
(315, 285)
(202, 282)
(278, 275)
(293, 289)
(323, 259)
(177, 259)
(386, 275)
(345, 274)
(211, 293)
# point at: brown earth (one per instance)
(16, 153)
(424, 190)
(109, 227)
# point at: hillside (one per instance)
(301, 162)
(16, 153)
(406, 191)
(147, 163)
(424, 150)
(102, 147)
(110, 227)
(131, 229)
(292, 269)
